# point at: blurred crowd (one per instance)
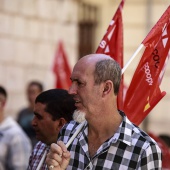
(17, 137)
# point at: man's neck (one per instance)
(99, 132)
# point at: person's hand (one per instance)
(58, 157)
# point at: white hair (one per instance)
(78, 116)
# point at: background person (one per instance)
(53, 108)
(108, 139)
(15, 146)
(26, 115)
(166, 139)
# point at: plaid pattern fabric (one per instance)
(130, 148)
(36, 156)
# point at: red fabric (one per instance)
(165, 151)
(144, 92)
(112, 44)
(61, 69)
(154, 35)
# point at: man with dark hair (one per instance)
(108, 140)
(15, 146)
(53, 108)
(25, 116)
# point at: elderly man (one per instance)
(108, 140)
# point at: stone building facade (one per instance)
(31, 29)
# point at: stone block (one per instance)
(6, 23)
(28, 8)
(43, 9)
(11, 6)
(46, 32)
(71, 31)
(32, 29)
(19, 26)
(2, 71)
(14, 75)
(70, 12)
(24, 52)
(7, 48)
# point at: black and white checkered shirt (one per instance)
(129, 148)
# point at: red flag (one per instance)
(154, 35)
(61, 68)
(112, 44)
(144, 92)
(165, 151)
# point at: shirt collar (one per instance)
(124, 132)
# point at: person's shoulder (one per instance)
(142, 135)
(136, 134)
(142, 138)
(16, 130)
(15, 134)
(68, 130)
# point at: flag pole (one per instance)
(42, 160)
(133, 56)
(75, 134)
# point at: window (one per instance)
(86, 26)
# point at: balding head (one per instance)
(105, 68)
(93, 58)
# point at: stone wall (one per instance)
(29, 33)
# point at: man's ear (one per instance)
(108, 87)
(62, 122)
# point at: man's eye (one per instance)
(38, 117)
(79, 83)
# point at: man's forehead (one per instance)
(84, 65)
(80, 70)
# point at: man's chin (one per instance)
(79, 116)
(38, 138)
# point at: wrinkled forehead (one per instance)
(84, 67)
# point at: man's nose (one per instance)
(72, 89)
